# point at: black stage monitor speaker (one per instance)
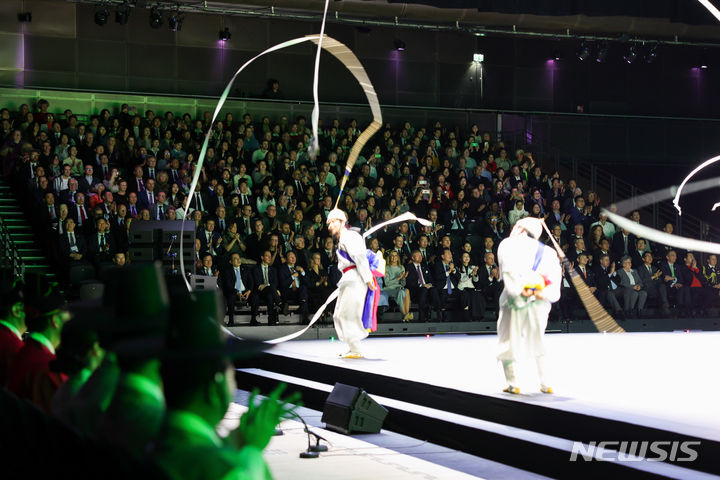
(350, 409)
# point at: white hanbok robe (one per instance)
(353, 289)
(522, 322)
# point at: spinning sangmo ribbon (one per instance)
(342, 53)
(351, 62)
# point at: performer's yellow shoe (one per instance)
(352, 355)
(408, 316)
(545, 389)
(511, 389)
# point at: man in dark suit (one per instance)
(88, 181)
(255, 241)
(651, 277)
(81, 214)
(490, 280)
(73, 247)
(419, 282)
(118, 228)
(236, 284)
(447, 279)
(606, 282)
(148, 198)
(569, 299)
(209, 239)
(136, 183)
(207, 266)
(293, 288)
(101, 244)
(677, 281)
(622, 244)
(266, 289)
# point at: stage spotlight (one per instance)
(602, 54)
(101, 16)
(583, 52)
(399, 45)
(557, 55)
(478, 57)
(651, 55)
(122, 14)
(631, 55)
(156, 20)
(25, 17)
(175, 22)
(224, 34)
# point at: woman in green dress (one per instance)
(394, 287)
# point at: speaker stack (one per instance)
(160, 240)
(350, 409)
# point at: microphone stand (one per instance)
(173, 254)
(312, 450)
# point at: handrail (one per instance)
(10, 256)
(361, 105)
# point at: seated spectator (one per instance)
(293, 286)
(607, 282)
(208, 268)
(236, 284)
(30, 377)
(710, 272)
(394, 285)
(447, 278)
(101, 245)
(677, 280)
(266, 290)
(317, 282)
(631, 289)
(419, 282)
(472, 300)
(78, 355)
(651, 277)
(199, 382)
(490, 280)
(701, 294)
(517, 212)
(623, 244)
(12, 326)
(210, 239)
(73, 247)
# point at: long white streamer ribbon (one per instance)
(337, 49)
(315, 118)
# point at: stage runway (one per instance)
(662, 380)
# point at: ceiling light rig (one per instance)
(631, 54)
(122, 13)
(101, 16)
(583, 52)
(155, 18)
(224, 35)
(399, 45)
(175, 21)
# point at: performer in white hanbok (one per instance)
(354, 309)
(532, 276)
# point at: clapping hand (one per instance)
(257, 425)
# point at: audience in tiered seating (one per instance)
(262, 196)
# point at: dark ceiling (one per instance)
(687, 20)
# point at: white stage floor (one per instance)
(662, 380)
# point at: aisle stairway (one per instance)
(19, 246)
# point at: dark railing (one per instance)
(9, 256)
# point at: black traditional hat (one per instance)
(195, 333)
